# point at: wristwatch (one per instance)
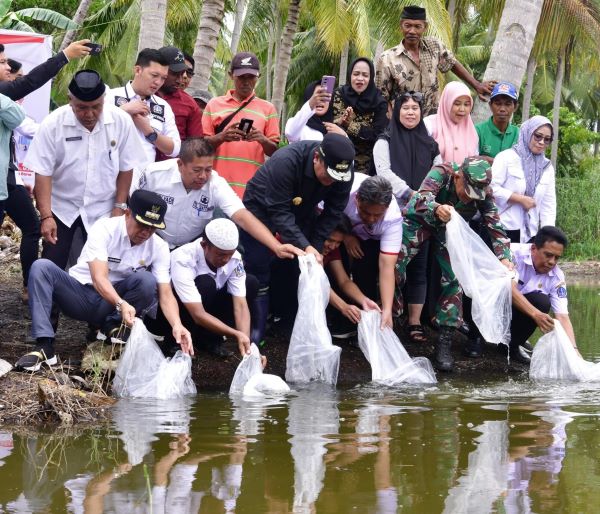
(118, 305)
(121, 206)
(152, 137)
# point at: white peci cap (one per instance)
(222, 233)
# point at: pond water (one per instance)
(513, 446)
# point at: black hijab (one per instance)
(316, 122)
(412, 151)
(370, 99)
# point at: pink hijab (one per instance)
(456, 141)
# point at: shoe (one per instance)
(218, 350)
(474, 348)
(33, 361)
(114, 334)
(527, 346)
(416, 334)
(442, 358)
(519, 355)
(343, 334)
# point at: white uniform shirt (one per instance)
(108, 242)
(188, 262)
(296, 128)
(508, 178)
(187, 213)
(83, 165)
(529, 280)
(388, 230)
(161, 116)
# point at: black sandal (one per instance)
(416, 334)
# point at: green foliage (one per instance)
(32, 19)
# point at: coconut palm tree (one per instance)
(153, 20)
(78, 19)
(209, 29)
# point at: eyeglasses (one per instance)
(414, 95)
(540, 138)
(189, 72)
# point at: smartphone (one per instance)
(95, 48)
(328, 82)
(245, 125)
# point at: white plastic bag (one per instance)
(250, 380)
(311, 354)
(483, 279)
(555, 358)
(390, 363)
(144, 372)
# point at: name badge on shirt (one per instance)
(74, 138)
(157, 111)
(120, 100)
(116, 260)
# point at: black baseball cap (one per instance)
(148, 208)
(338, 153)
(175, 57)
(87, 85)
(245, 63)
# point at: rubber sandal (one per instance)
(33, 361)
(416, 334)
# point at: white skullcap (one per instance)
(222, 233)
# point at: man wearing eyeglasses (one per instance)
(413, 65)
(187, 113)
(190, 64)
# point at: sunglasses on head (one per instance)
(540, 138)
(414, 95)
(189, 72)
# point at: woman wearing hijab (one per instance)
(452, 126)
(315, 118)
(361, 110)
(523, 182)
(404, 154)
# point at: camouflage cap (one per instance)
(478, 175)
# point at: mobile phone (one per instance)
(95, 48)
(245, 125)
(328, 82)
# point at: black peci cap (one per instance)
(87, 85)
(148, 208)
(413, 12)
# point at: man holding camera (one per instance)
(242, 127)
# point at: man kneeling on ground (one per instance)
(122, 270)
(538, 287)
(213, 288)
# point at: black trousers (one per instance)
(522, 326)
(59, 252)
(365, 271)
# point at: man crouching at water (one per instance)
(122, 270)
(538, 287)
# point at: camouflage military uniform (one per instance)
(420, 224)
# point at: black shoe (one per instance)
(519, 355)
(526, 346)
(474, 348)
(343, 334)
(442, 358)
(33, 361)
(219, 351)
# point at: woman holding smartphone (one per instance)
(361, 110)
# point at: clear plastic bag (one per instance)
(250, 380)
(483, 279)
(555, 358)
(311, 354)
(144, 372)
(390, 362)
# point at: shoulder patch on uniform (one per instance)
(239, 270)
(120, 100)
(561, 290)
(143, 181)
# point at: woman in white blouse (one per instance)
(523, 181)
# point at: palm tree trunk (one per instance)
(152, 24)
(236, 33)
(209, 29)
(531, 66)
(512, 47)
(285, 55)
(560, 75)
(269, 77)
(344, 64)
(79, 18)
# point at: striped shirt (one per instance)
(237, 161)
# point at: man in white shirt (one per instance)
(211, 283)
(152, 116)
(538, 288)
(83, 155)
(122, 271)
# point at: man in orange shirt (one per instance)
(241, 151)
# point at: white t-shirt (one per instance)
(187, 213)
(108, 242)
(83, 165)
(296, 128)
(188, 262)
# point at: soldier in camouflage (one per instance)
(466, 190)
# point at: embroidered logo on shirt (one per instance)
(157, 111)
(239, 270)
(168, 199)
(120, 100)
(202, 205)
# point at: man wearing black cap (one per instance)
(241, 149)
(413, 64)
(122, 271)
(284, 195)
(82, 155)
(187, 114)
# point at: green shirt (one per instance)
(492, 141)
